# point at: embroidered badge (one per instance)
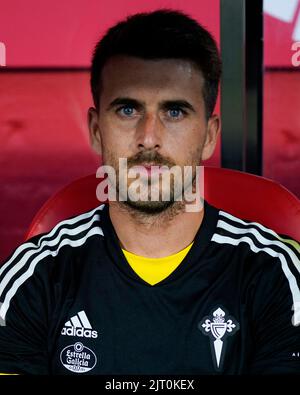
(218, 326)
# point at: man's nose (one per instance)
(149, 132)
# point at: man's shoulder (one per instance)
(259, 241)
(273, 256)
(255, 236)
(68, 234)
(32, 262)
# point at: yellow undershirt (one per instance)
(154, 270)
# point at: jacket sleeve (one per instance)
(23, 312)
(276, 314)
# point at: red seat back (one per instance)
(242, 194)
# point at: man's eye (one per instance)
(126, 111)
(176, 112)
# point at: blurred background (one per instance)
(45, 94)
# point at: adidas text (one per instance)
(79, 332)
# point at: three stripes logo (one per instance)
(79, 326)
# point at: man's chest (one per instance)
(137, 332)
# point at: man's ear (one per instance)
(94, 129)
(212, 133)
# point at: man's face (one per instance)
(152, 112)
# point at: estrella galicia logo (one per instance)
(218, 326)
(77, 358)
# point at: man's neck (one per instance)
(154, 236)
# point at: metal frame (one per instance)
(242, 84)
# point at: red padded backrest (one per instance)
(244, 195)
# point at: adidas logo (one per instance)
(79, 326)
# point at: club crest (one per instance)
(218, 326)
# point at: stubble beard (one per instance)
(147, 211)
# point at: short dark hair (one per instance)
(162, 34)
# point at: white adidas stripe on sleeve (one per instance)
(33, 246)
(45, 244)
(289, 275)
(262, 240)
(73, 243)
(247, 223)
(265, 245)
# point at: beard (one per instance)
(166, 198)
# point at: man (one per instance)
(145, 286)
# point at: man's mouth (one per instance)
(150, 168)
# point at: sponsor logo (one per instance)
(217, 327)
(79, 326)
(79, 332)
(77, 358)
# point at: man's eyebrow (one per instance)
(177, 103)
(124, 101)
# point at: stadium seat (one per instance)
(244, 195)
